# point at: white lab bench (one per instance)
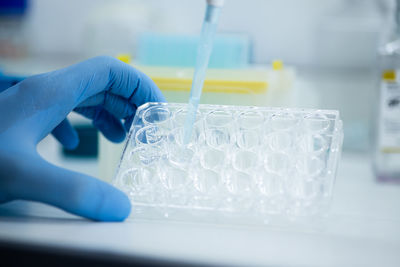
(363, 229)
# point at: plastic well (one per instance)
(243, 164)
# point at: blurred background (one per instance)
(311, 33)
(326, 50)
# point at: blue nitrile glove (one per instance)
(7, 81)
(103, 89)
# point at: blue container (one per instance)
(229, 51)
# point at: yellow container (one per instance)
(255, 86)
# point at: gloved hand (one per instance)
(103, 89)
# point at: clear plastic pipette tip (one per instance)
(203, 56)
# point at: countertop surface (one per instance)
(363, 228)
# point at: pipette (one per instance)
(203, 56)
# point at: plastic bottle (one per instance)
(387, 131)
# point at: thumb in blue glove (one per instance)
(103, 89)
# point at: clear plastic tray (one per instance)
(243, 164)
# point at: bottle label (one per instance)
(389, 122)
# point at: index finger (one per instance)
(121, 80)
(132, 84)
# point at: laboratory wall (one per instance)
(302, 32)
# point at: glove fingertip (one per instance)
(128, 123)
(117, 209)
(73, 142)
(107, 204)
(66, 135)
(154, 93)
(114, 136)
